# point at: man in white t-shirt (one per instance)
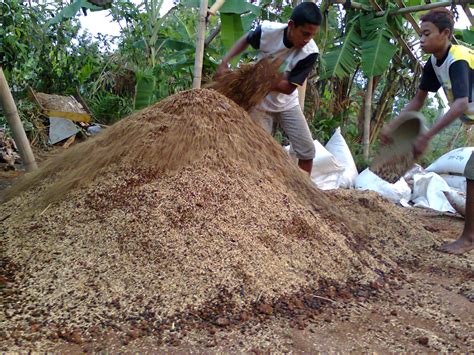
(294, 43)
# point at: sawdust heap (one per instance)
(249, 84)
(164, 212)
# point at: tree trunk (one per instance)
(367, 116)
(19, 135)
(385, 102)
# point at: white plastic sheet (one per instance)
(455, 182)
(398, 192)
(428, 192)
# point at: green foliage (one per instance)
(232, 30)
(465, 36)
(145, 90)
(239, 7)
(108, 108)
(46, 57)
(376, 49)
(414, 2)
(367, 40)
(341, 60)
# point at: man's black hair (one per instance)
(306, 12)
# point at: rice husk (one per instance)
(396, 158)
(248, 85)
(167, 211)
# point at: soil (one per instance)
(208, 254)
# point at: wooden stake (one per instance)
(19, 135)
(200, 45)
(367, 114)
(212, 35)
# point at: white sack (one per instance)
(452, 162)
(428, 192)
(456, 182)
(327, 171)
(457, 199)
(398, 193)
(338, 147)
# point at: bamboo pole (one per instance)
(19, 135)
(214, 8)
(404, 10)
(200, 45)
(367, 114)
(409, 17)
(426, 7)
(468, 12)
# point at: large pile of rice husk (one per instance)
(168, 210)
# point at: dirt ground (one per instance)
(427, 306)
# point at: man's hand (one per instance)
(420, 145)
(222, 69)
(385, 135)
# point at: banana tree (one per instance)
(376, 53)
(367, 41)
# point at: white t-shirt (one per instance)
(272, 45)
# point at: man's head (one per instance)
(304, 23)
(436, 30)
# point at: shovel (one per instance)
(396, 158)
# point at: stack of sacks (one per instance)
(333, 165)
(451, 167)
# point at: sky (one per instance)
(100, 22)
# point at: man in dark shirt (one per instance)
(293, 43)
(451, 67)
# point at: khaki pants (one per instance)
(294, 124)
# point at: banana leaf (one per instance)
(342, 60)
(145, 90)
(231, 30)
(377, 49)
